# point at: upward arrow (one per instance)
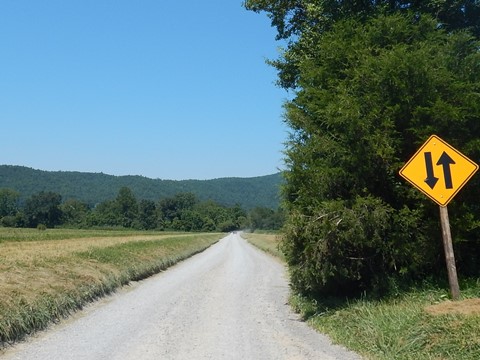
(431, 180)
(446, 161)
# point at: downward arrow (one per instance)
(431, 180)
(446, 161)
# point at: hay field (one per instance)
(45, 275)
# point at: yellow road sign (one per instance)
(438, 170)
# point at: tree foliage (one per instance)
(9, 208)
(261, 218)
(94, 188)
(182, 212)
(295, 19)
(8, 202)
(126, 207)
(74, 212)
(43, 209)
(147, 218)
(372, 81)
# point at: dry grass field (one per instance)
(45, 275)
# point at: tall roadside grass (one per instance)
(419, 324)
(46, 275)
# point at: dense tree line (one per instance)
(93, 188)
(371, 81)
(182, 212)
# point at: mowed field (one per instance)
(45, 275)
(268, 242)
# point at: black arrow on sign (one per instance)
(446, 161)
(431, 180)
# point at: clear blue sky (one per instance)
(163, 89)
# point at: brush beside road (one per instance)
(228, 302)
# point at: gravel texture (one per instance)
(228, 302)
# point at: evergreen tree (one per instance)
(372, 81)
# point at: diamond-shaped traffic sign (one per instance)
(438, 170)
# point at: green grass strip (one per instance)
(398, 328)
(23, 234)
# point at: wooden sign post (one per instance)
(449, 254)
(440, 171)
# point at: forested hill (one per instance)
(94, 188)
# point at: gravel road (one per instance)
(228, 302)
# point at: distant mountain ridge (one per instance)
(93, 188)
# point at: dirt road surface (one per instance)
(228, 302)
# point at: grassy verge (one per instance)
(268, 242)
(46, 275)
(418, 324)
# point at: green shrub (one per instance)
(345, 249)
(8, 221)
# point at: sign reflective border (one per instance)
(438, 170)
